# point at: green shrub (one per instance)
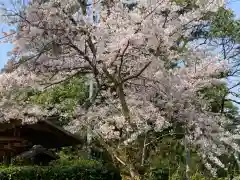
(77, 170)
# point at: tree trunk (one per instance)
(123, 102)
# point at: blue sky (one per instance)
(235, 6)
(4, 48)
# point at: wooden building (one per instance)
(16, 138)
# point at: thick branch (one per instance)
(237, 102)
(113, 79)
(138, 74)
(144, 150)
(122, 58)
(61, 81)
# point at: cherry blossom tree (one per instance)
(130, 55)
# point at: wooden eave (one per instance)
(43, 133)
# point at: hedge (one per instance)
(82, 170)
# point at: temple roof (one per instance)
(42, 132)
(23, 126)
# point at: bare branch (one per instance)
(122, 58)
(138, 74)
